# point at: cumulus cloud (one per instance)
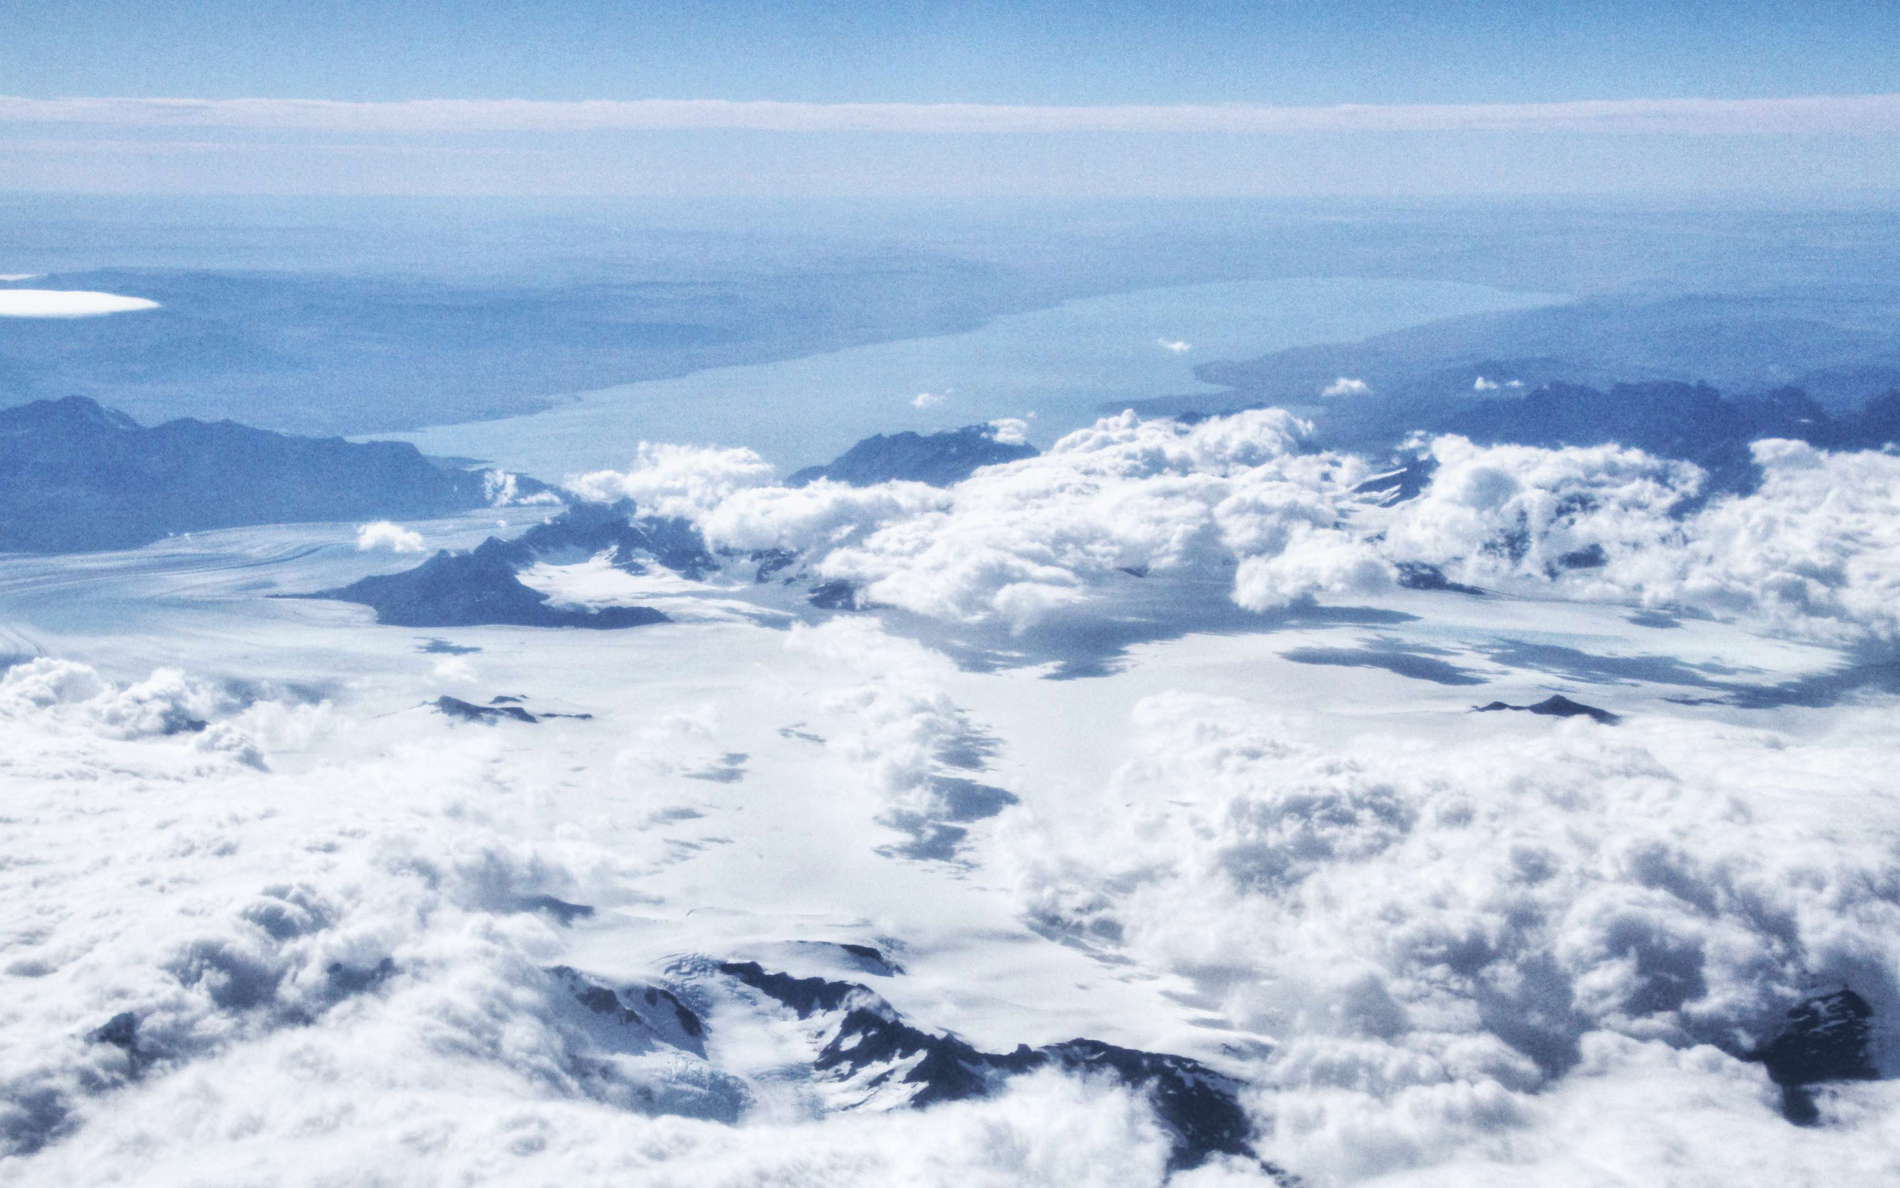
(1174, 346)
(1021, 543)
(1481, 384)
(1815, 548)
(63, 303)
(677, 480)
(1241, 503)
(288, 922)
(815, 518)
(1010, 430)
(165, 703)
(1813, 551)
(927, 400)
(1346, 386)
(1853, 114)
(1503, 515)
(388, 536)
(503, 489)
(1429, 939)
(1311, 563)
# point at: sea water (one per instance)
(1058, 368)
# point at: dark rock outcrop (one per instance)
(872, 1047)
(837, 595)
(474, 589)
(498, 709)
(939, 459)
(468, 711)
(1825, 1038)
(1556, 706)
(1418, 575)
(480, 587)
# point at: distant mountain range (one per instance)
(1688, 421)
(75, 477)
(1692, 422)
(1837, 344)
(940, 459)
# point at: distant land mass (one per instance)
(1689, 421)
(1837, 345)
(940, 459)
(75, 476)
(359, 316)
(1692, 422)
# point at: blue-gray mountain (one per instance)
(940, 459)
(1693, 422)
(75, 476)
(1835, 341)
(479, 587)
(1688, 421)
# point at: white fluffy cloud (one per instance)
(677, 480)
(1346, 386)
(502, 488)
(165, 703)
(1428, 941)
(923, 400)
(387, 536)
(1017, 544)
(1814, 551)
(1011, 430)
(1240, 502)
(1462, 955)
(815, 518)
(1502, 515)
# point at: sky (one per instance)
(1099, 98)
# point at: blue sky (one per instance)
(1279, 53)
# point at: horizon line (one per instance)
(1875, 114)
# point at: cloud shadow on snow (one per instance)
(1079, 646)
(1589, 668)
(1418, 662)
(938, 836)
(1866, 672)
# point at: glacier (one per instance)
(1129, 822)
